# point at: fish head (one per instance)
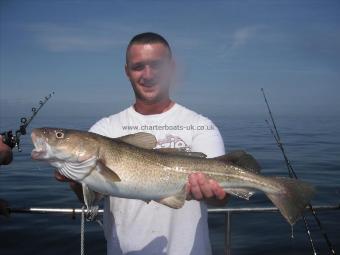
(62, 145)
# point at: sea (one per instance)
(312, 145)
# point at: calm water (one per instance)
(312, 144)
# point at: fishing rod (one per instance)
(292, 174)
(13, 140)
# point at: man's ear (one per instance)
(126, 71)
(173, 66)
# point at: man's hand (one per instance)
(6, 155)
(75, 186)
(200, 187)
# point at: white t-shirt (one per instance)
(136, 228)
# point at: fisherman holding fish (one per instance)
(152, 228)
(146, 175)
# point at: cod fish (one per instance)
(130, 167)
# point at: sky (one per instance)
(225, 52)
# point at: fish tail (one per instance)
(293, 198)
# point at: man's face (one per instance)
(149, 68)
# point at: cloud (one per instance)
(101, 36)
(242, 36)
(236, 40)
(79, 37)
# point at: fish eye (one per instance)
(59, 134)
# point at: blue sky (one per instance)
(225, 52)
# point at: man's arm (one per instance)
(6, 155)
(199, 186)
(203, 188)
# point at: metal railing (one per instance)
(229, 211)
(226, 211)
(41, 210)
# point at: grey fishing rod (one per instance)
(292, 174)
(13, 140)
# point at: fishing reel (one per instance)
(13, 140)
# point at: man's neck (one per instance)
(145, 108)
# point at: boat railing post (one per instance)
(227, 234)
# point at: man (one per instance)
(133, 226)
(5, 153)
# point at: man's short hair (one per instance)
(148, 38)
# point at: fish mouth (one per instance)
(40, 150)
(38, 154)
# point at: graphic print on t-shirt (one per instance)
(171, 141)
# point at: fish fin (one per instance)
(239, 192)
(242, 159)
(107, 173)
(77, 171)
(141, 140)
(91, 198)
(181, 152)
(293, 199)
(176, 201)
